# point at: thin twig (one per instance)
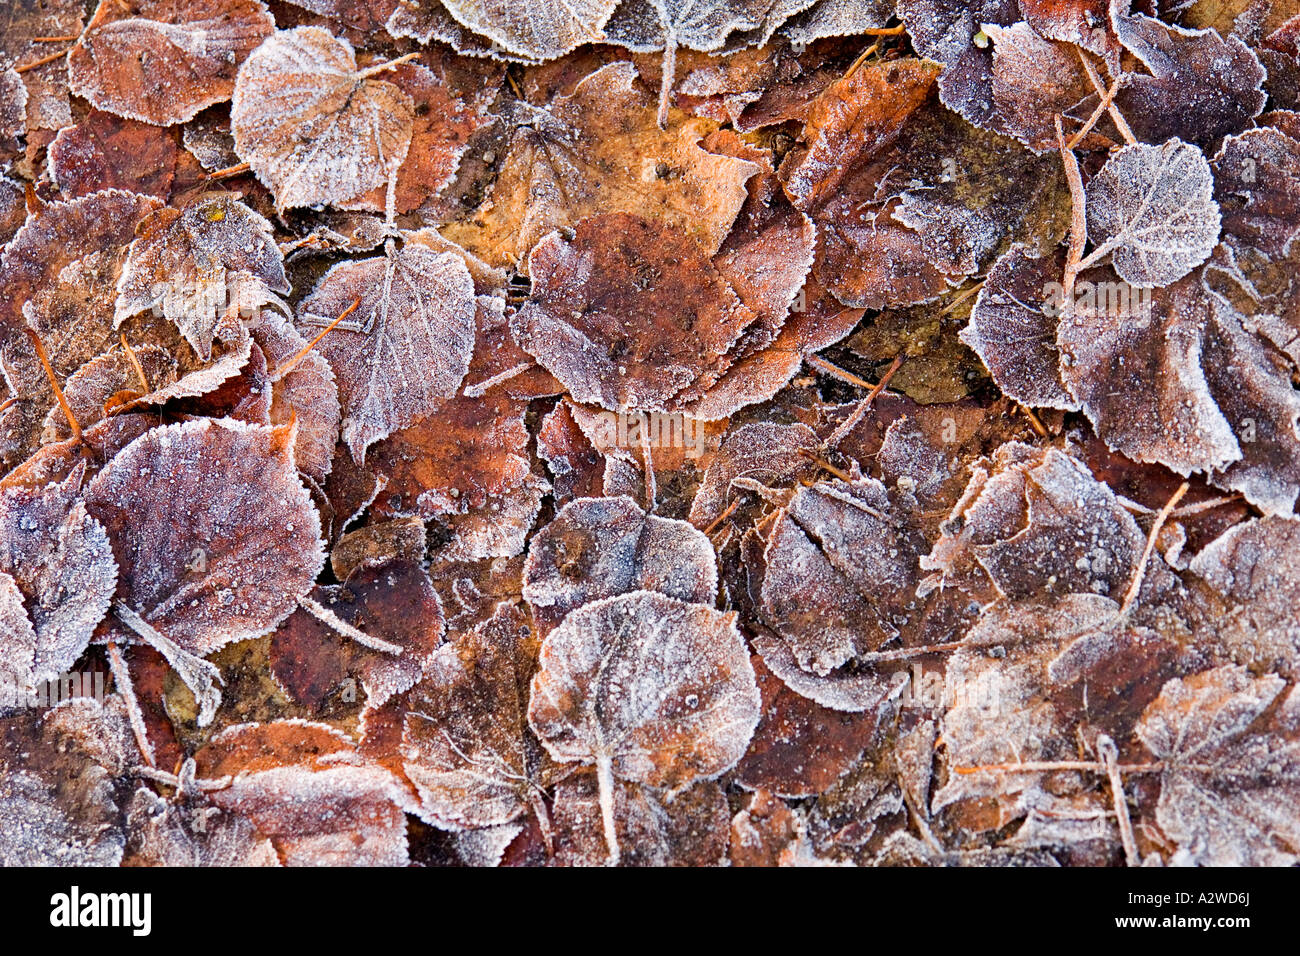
(135, 363)
(41, 62)
(288, 366)
(864, 406)
(1109, 754)
(54, 383)
(1116, 116)
(1136, 586)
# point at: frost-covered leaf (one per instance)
(105, 151)
(649, 689)
(313, 127)
(162, 61)
(600, 150)
(1013, 328)
(1152, 209)
(466, 744)
(306, 396)
(1036, 525)
(305, 787)
(684, 829)
(840, 568)
(540, 29)
(1202, 85)
(1227, 795)
(951, 32)
(1253, 571)
(194, 264)
(58, 802)
(599, 547)
(800, 748)
(200, 573)
(629, 313)
(60, 560)
(443, 126)
(59, 271)
(190, 832)
(404, 348)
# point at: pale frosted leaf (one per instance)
(60, 558)
(199, 572)
(406, 346)
(660, 691)
(314, 128)
(540, 29)
(1152, 208)
(599, 547)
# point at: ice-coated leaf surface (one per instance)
(1153, 208)
(162, 61)
(405, 347)
(200, 573)
(1227, 795)
(659, 690)
(314, 128)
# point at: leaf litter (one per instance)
(649, 433)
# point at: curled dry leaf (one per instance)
(195, 263)
(313, 127)
(162, 61)
(600, 547)
(404, 348)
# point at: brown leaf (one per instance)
(686, 829)
(162, 61)
(466, 744)
(622, 290)
(303, 786)
(1201, 88)
(396, 610)
(600, 150)
(1226, 794)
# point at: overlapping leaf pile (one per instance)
(765, 432)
